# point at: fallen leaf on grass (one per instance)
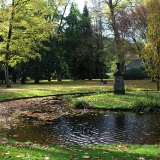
(126, 144)
(85, 157)
(141, 158)
(19, 156)
(105, 152)
(119, 147)
(3, 142)
(6, 153)
(113, 158)
(27, 155)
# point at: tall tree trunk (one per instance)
(7, 58)
(118, 40)
(89, 69)
(14, 77)
(36, 80)
(36, 75)
(7, 47)
(100, 73)
(59, 77)
(7, 75)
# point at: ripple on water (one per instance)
(103, 128)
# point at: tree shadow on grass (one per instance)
(117, 152)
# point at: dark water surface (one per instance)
(105, 128)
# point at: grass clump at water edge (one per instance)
(134, 101)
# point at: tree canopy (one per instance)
(151, 52)
(54, 39)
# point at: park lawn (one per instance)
(18, 91)
(142, 91)
(138, 93)
(45, 88)
(18, 150)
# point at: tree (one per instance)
(104, 52)
(23, 28)
(72, 40)
(151, 52)
(57, 15)
(132, 22)
(85, 48)
(111, 8)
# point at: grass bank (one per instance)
(132, 100)
(17, 150)
(140, 95)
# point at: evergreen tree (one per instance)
(86, 44)
(72, 36)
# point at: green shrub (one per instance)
(107, 75)
(28, 78)
(134, 74)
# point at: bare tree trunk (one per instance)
(89, 70)
(59, 78)
(7, 75)
(118, 40)
(7, 47)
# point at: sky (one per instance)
(80, 4)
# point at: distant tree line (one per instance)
(53, 40)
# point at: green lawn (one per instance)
(17, 150)
(139, 93)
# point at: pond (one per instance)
(90, 128)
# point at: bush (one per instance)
(134, 74)
(107, 75)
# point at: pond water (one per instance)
(90, 128)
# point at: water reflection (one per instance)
(105, 128)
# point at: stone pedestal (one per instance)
(118, 81)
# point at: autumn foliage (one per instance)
(151, 51)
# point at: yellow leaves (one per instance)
(151, 50)
(121, 147)
(28, 29)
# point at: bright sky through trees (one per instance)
(80, 3)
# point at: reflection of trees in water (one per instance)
(120, 129)
(102, 128)
(120, 121)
